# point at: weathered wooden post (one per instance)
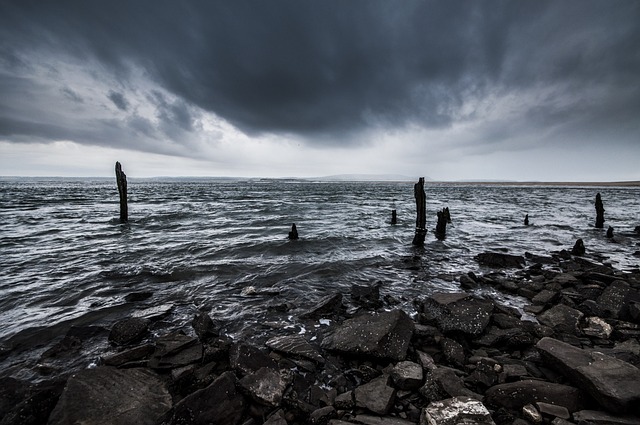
(293, 234)
(578, 248)
(394, 217)
(610, 232)
(447, 214)
(121, 179)
(421, 214)
(526, 220)
(441, 226)
(599, 212)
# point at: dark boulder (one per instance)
(385, 335)
(376, 396)
(327, 306)
(613, 300)
(561, 318)
(500, 260)
(515, 395)
(174, 350)
(366, 295)
(442, 383)
(578, 248)
(296, 346)
(265, 386)
(28, 404)
(407, 375)
(456, 312)
(610, 381)
(109, 395)
(219, 403)
(135, 354)
(204, 327)
(247, 359)
(129, 331)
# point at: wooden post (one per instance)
(121, 179)
(578, 248)
(421, 214)
(394, 217)
(441, 227)
(293, 234)
(599, 212)
(526, 220)
(610, 232)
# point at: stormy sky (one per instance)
(513, 90)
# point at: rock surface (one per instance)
(456, 312)
(108, 395)
(456, 411)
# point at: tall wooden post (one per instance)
(599, 212)
(441, 226)
(293, 234)
(421, 214)
(121, 179)
(394, 217)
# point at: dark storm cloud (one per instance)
(119, 100)
(323, 70)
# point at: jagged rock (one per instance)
(366, 295)
(442, 383)
(407, 375)
(385, 335)
(295, 345)
(376, 396)
(24, 404)
(278, 418)
(219, 403)
(265, 386)
(456, 411)
(561, 318)
(154, 313)
(596, 327)
(612, 300)
(128, 331)
(453, 352)
(531, 414)
(500, 260)
(611, 382)
(204, 327)
(545, 297)
(601, 418)
(137, 296)
(247, 359)
(128, 356)
(174, 350)
(344, 401)
(456, 312)
(109, 395)
(547, 409)
(327, 306)
(515, 395)
(486, 372)
(322, 416)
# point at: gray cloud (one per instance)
(325, 71)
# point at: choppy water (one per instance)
(65, 258)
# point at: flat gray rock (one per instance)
(265, 386)
(295, 345)
(457, 312)
(516, 395)
(456, 411)
(376, 396)
(561, 318)
(385, 335)
(610, 381)
(106, 395)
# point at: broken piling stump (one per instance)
(121, 180)
(447, 215)
(599, 212)
(610, 232)
(441, 226)
(526, 220)
(421, 214)
(394, 217)
(578, 248)
(293, 234)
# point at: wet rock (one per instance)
(327, 306)
(578, 248)
(500, 260)
(278, 418)
(23, 404)
(407, 375)
(377, 420)
(454, 411)
(219, 403)
(137, 296)
(597, 327)
(531, 414)
(265, 386)
(142, 352)
(366, 295)
(345, 401)
(551, 410)
(295, 345)
(456, 312)
(174, 350)
(154, 313)
(561, 318)
(247, 359)
(486, 372)
(129, 331)
(601, 418)
(385, 335)
(611, 382)
(376, 396)
(109, 395)
(612, 300)
(204, 327)
(322, 416)
(69, 345)
(515, 395)
(442, 383)
(453, 352)
(545, 297)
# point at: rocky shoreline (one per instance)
(455, 359)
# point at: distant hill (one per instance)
(369, 178)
